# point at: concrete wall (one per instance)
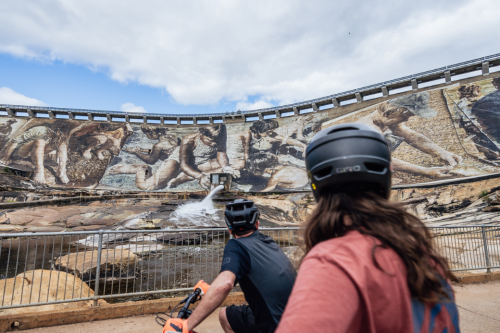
(447, 131)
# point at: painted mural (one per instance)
(265, 155)
(438, 134)
(61, 152)
(435, 134)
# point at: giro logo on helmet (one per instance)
(354, 168)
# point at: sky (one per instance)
(182, 57)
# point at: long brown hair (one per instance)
(395, 228)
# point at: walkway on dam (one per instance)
(479, 306)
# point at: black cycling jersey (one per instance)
(266, 276)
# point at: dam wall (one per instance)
(446, 131)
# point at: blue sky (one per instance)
(176, 56)
(76, 86)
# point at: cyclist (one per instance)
(266, 277)
(370, 266)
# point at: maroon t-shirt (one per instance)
(339, 289)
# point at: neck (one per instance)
(245, 235)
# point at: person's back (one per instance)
(265, 275)
(380, 296)
(370, 266)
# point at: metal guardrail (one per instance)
(460, 68)
(52, 268)
(116, 265)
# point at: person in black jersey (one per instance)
(266, 277)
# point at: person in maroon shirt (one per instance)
(369, 266)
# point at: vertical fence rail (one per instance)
(486, 254)
(37, 268)
(98, 269)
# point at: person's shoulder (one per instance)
(352, 246)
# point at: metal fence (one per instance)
(124, 265)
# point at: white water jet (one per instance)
(201, 213)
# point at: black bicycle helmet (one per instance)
(349, 158)
(241, 215)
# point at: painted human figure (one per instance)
(35, 143)
(392, 116)
(268, 136)
(202, 153)
(39, 141)
(165, 150)
(487, 113)
(104, 140)
(265, 164)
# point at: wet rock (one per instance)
(107, 239)
(190, 238)
(114, 263)
(139, 248)
(41, 286)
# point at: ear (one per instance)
(257, 225)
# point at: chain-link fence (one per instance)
(125, 265)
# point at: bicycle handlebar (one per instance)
(184, 313)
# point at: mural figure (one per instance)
(203, 153)
(35, 143)
(50, 140)
(6, 131)
(282, 177)
(104, 140)
(487, 113)
(390, 117)
(165, 150)
(267, 135)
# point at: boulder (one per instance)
(183, 238)
(115, 263)
(42, 286)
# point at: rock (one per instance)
(491, 209)
(41, 286)
(140, 248)
(117, 263)
(494, 203)
(189, 238)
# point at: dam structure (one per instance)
(440, 127)
(108, 214)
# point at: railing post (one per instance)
(486, 254)
(98, 269)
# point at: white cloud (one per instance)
(260, 104)
(209, 51)
(131, 107)
(9, 96)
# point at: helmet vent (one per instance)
(322, 173)
(375, 167)
(343, 129)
